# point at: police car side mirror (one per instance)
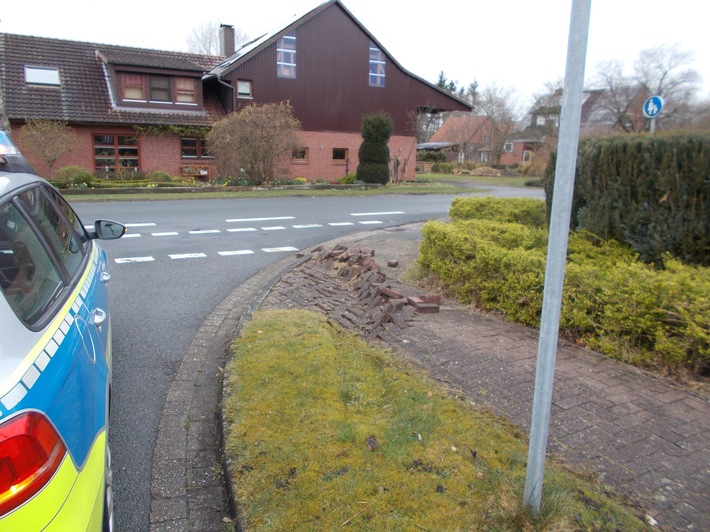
(107, 230)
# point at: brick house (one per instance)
(148, 110)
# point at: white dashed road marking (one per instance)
(370, 222)
(134, 259)
(146, 224)
(260, 219)
(375, 213)
(277, 250)
(306, 226)
(338, 224)
(187, 256)
(204, 231)
(132, 235)
(167, 233)
(241, 229)
(236, 252)
(274, 228)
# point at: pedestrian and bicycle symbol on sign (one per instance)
(652, 107)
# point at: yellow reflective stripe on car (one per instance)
(16, 376)
(81, 510)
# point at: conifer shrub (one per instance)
(651, 192)
(373, 154)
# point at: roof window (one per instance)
(41, 75)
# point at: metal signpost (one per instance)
(557, 250)
(652, 107)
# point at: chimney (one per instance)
(226, 39)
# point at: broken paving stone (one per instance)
(392, 263)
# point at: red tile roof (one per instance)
(84, 96)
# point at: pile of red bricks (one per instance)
(370, 301)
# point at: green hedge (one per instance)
(612, 302)
(519, 210)
(652, 192)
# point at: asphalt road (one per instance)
(176, 263)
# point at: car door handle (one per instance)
(99, 317)
(105, 277)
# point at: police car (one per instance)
(55, 358)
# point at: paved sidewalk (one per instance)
(646, 437)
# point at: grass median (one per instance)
(325, 431)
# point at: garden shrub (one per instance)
(159, 176)
(73, 176)
(612, 302)
(347, 180)
(526, 211)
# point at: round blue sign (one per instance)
(652, 107)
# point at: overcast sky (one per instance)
(517, 43)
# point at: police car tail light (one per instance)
(30, 453)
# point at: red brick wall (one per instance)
(162, 152)
(320, 164)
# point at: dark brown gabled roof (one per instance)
(255, 46)
(143, 58)
(83, 95)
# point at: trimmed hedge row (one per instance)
(523, 210)
(612, 302)
(651, 192)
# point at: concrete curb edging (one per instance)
(187, 491)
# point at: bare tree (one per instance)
(665, 71)
(204, 39)
(500, 108)
(256, 142)
(48, 140)
(620, 101)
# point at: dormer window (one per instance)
(185, 90)
(159, 88)
(41, 76)
(153, 88)
(133, 87)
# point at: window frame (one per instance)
(286, 56)
(200, 149)
(129, 86)
(377, 67)
(344, 159)
(43, 76)
(116, 147)
(245, 95)
(185, 91)
(295, 155)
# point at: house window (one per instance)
(133, 87)
(340, 155)
(377, 67)
(508, 147)
(194, 148)
(299, 155)
(185, 90)
(115, 152)
(483, 156)
(160, 88)
(286, 56)
(540, 120)
(244, 89)
(527, 156)
(41, 75)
